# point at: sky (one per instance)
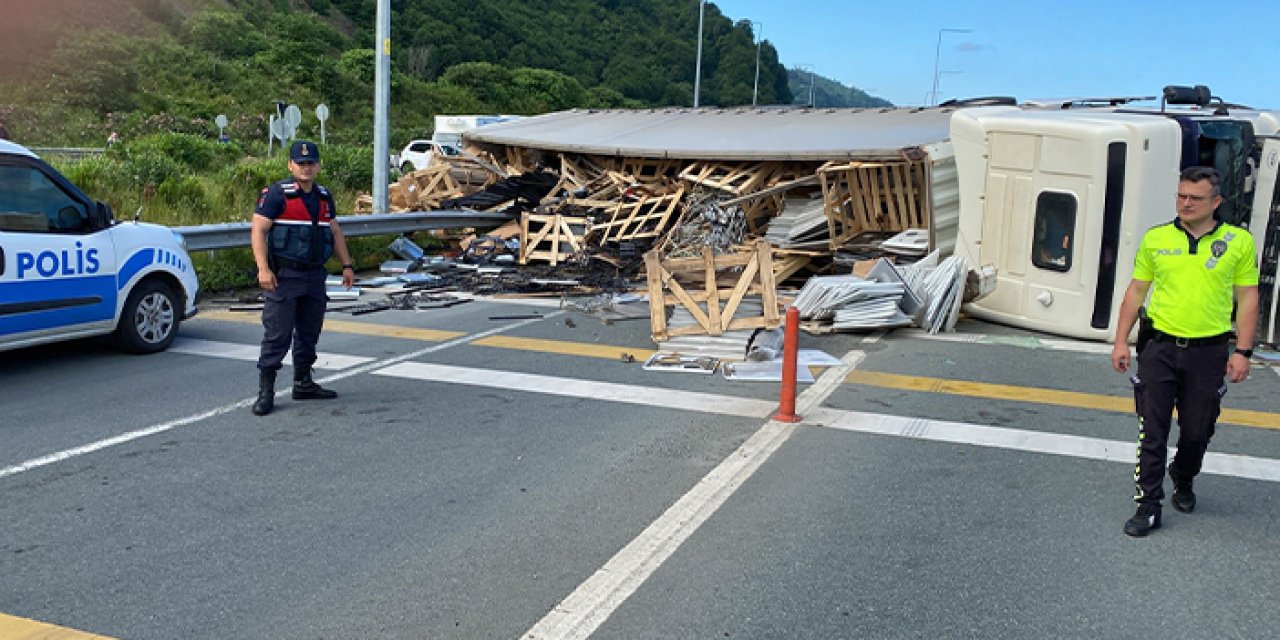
(1029, 49)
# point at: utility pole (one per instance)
(937, 56)
(755, 88)
(382, 106)
(697, 72)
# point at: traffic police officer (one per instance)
(1196, 264)
(293, 234)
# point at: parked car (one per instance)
(68, 269)
(418, 153)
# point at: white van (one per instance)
(69, 270)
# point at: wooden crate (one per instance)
(554, 238)
(737, 178)
(747, 272)
(647, 217)
(873, 196)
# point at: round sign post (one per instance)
(292, 118)
(322, 114)
(221, 121)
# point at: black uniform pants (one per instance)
(1191, 379)
(293, 312)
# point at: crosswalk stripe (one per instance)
(578, 388)
(249, 353)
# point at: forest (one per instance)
(157, 72)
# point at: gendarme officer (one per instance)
(293, 234)
(1194, 267)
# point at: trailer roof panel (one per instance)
(726, 134)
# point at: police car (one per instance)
(69, 270)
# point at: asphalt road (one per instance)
(486, 478)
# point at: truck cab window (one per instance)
(30, 202)
(1055, 227)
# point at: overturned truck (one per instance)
(1045, 201)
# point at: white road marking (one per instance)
(580, 614)
(67, 454)
(249, 353)
(1224, 464)
(576, 388)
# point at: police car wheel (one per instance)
(149, 322)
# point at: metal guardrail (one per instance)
(232, 235)
(68, 152)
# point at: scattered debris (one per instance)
(682, 363)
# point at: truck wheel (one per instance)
(149, 322)
(407, 168)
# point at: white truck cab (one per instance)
(1055, 201)
(69, 270)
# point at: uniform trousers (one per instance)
(1191, 379)
(293, 312)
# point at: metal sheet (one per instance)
(726, 134)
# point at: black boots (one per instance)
(266, 393)
(1184, 499)
(304, 388)
(1142, 522)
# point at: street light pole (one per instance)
(381, 106)
(697, 73)
(937, 56)
(801, 67)
(755, 88)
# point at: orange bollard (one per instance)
(790, 347)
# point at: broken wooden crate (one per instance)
(555, 238)
(873, 196)
(676, 281)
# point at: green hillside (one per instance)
(147, 66)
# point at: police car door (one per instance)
(57, 259)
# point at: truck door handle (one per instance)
(1, 261)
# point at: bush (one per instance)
(98, 176)
(186, 197)
(191, 151)
(347, 167)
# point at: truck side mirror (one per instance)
(1198, 95)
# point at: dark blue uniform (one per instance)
(299, 243)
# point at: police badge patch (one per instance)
(1218, 249)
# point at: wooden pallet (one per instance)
(648, 217)
(554, 238)
(650, 169)
(737, 178)
(748, 272)
(873, 196)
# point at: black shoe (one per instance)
(1184, 499)
(1142, 522)
(266, 393)
(304, 388)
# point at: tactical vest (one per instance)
(296, 236)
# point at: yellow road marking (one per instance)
(563, 347)
(1118, 404)
(15, 628)
(347, 326)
